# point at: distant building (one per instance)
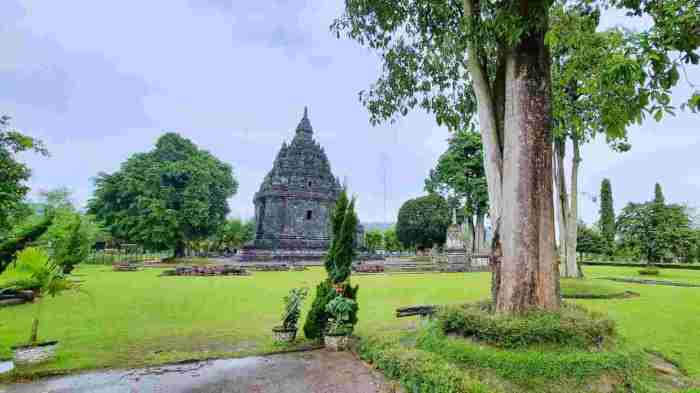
(294, 203)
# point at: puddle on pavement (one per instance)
(6, 366)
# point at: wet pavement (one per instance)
(317, 371)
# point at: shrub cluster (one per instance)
(316, 322)
(572, 326)
(418, 371)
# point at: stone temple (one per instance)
(293, 205)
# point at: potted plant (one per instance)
(50, 280)
(287, 332)
(339, 326)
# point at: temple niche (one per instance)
(294, 202)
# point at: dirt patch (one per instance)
(670, 376)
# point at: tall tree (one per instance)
(656, 233)
(461, 58)
(373, 240)
(659, 195)
(459, 175)
(607, 217)
(13, 174)
(423, 222)
(234, 233)
(391, 240)
(166, 197)
(596, 90)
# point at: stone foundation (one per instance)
(281, 255)
(36, 354)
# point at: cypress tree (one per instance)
(659, 195)
(658, 208)
(338, 265)
(607, 217)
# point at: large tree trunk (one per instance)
(518, 164)
(180, 249)
(479, 234)
(529, 273)
(561, 201)
(572, 268)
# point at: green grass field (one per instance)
(137, 318)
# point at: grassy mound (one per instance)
(430, 361)
(417, 370)
(573, 326)
(574, 288)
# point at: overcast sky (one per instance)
(100, 80)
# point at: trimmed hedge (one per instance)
(573, 326)
(418, 371)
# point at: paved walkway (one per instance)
(317, 371)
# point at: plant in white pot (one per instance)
(287, 332)
(339, 327)
(49, 280)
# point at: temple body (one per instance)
(294, 203)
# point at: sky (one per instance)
(98, 81)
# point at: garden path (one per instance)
(317, 371)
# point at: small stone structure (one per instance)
(458, 250)
(455, 248)
(26, 355)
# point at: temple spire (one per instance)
(304, 127)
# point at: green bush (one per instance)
(418, 371)
(340, 308)
(572, 326)
(316, 322)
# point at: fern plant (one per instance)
(292, 307)
(47, 277)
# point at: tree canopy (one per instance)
(423, 221)
(14, 174)
(161, 199)
(656, 231)
(459, 174)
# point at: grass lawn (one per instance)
(137, 318)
